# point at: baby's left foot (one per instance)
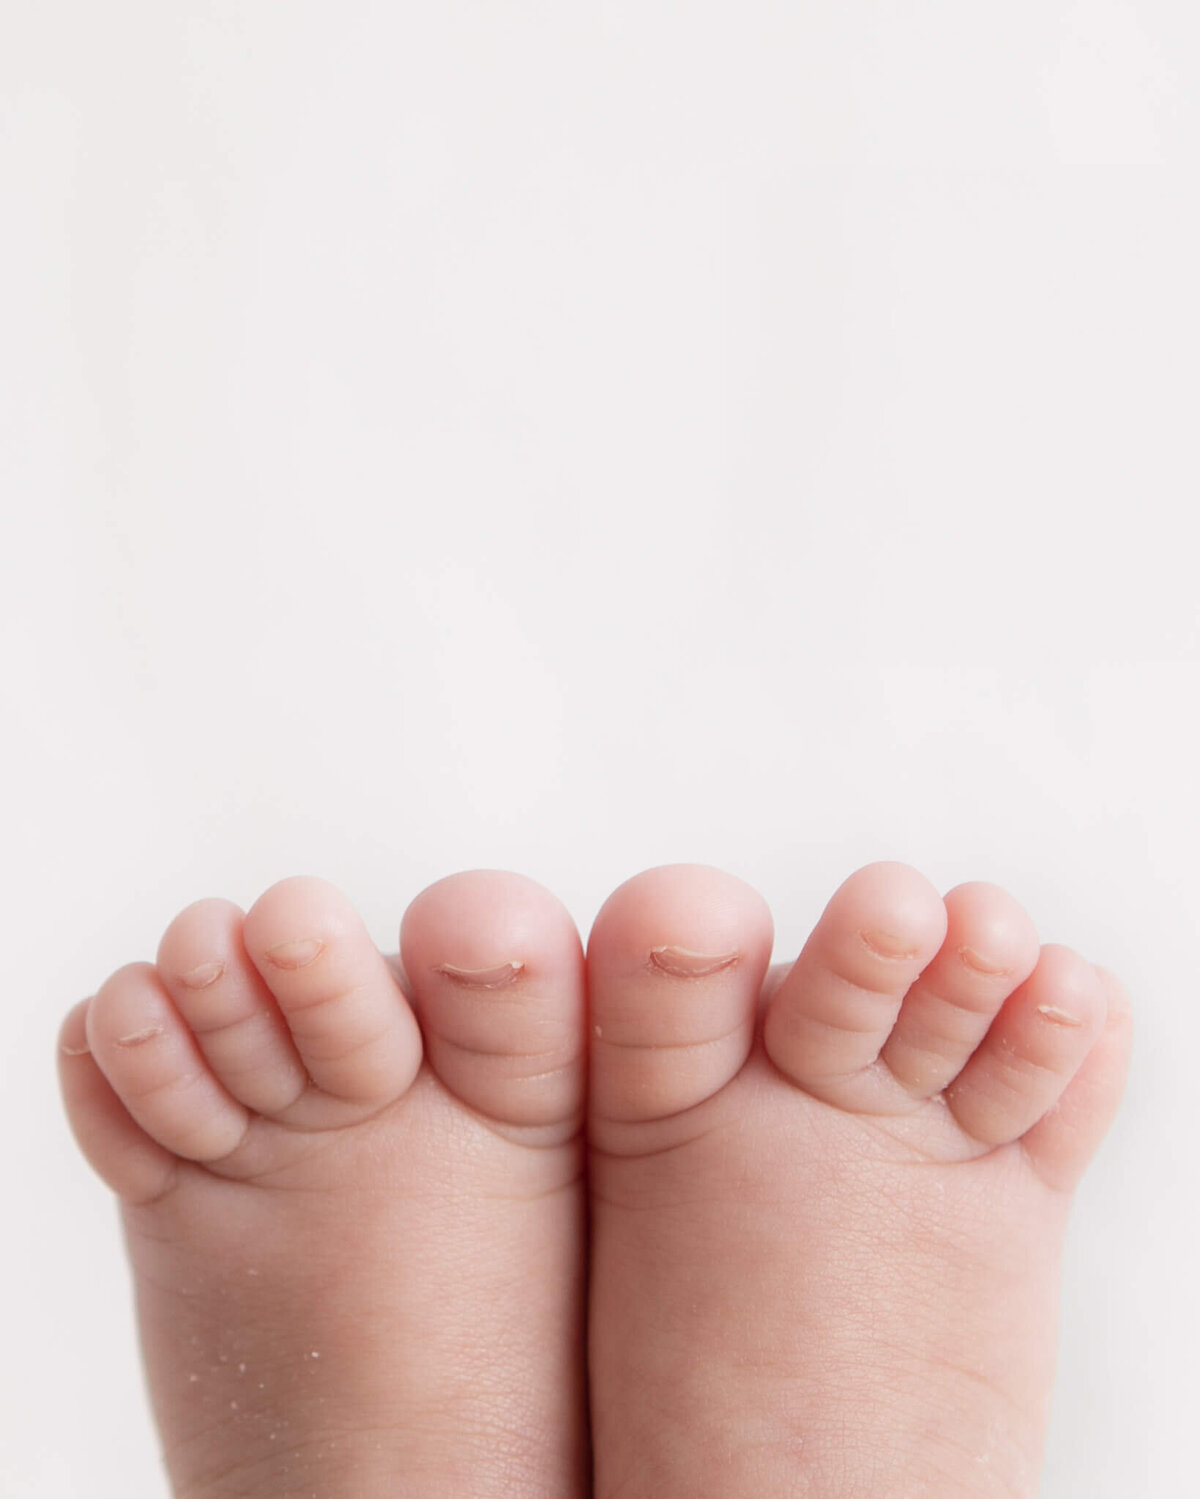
(827, 1209)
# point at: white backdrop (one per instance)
(575, 438)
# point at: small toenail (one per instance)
(1057, 1016)
(74, 1051)
(482, 978)
(200, 978)
(136, 1038)
(980, 964)
(884, 945)
(296, 954)
(687, 964)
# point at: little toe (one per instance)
(828, 1020)
(1061, 1144)
(121, 1153)
(991, 947)
(1035, 1045)
(205, 968)
(150, 1057)
(349, 1021)
(676, 959)
(495, 966)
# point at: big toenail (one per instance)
(200, 978)
(884, 945)
(980, 964)
(481, 978)
(685, 963)
(137, 1038)
(1058, 1017)
(296, 954)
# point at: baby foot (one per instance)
(355, 1218)
(828, 1202)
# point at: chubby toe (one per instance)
(233, 1015)
(1034, 1047)
(348, 1020)
(495, 966)
(150, 1057)
(117, 1148)
(829, 1019)
(991, 947)
(1062, 1143)
(676, 960)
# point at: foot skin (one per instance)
(828, 1203)
(355, 1216)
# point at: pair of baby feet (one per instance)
(493, 1217)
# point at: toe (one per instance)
(830, 1017)
(1062, 1143)
(991, 947)
(150, 1057)
(676, 959)
(1034, 1047)
(349, 1021)
(136, 1167)
(495, 966)
(238, 1026)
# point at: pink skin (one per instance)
(333, 1218)
(829, 1198)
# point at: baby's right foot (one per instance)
(358, 1260)
(827, 1210)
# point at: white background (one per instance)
(572, 438)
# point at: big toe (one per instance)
(676, 961)
(495, 967)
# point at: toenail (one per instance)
(137, 1038)
(687, 964)
(74, 1051)
(980, 964)
(1057, 1016)
(884, 945)
(481, 978)
(296, 954)
(200, 978)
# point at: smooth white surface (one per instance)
(574, 438)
